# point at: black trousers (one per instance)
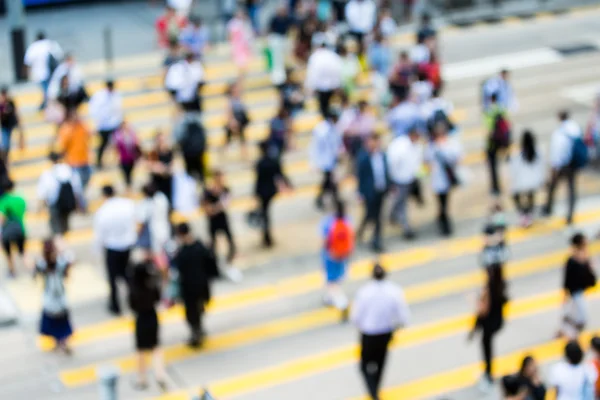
(324, 98)
(524, 202)
(221, 225)
(265, 203)
(105, 136)
(487, 339)
(569, 174)
(443, 218)
(373, 353)
(194, 310)
(117, 262)
(372, 215)
(328, 186)
(194, 166)
(127, 170)
(492, 159)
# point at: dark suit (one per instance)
(268, 173)
(372, 196)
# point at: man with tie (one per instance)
(372, 185)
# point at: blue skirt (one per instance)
(58, 327)
(334, 269)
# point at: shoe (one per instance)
(114, 311)
(485, 385)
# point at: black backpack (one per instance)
(66, 202)
(193, 141)
(437, 117)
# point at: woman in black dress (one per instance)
(214, 203)
(160, 162)
(144, 296)
(490, 318)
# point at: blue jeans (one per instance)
(254, 15)
(44, 86)
(85, 173)
(6, 134)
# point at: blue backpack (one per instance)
(579, 156)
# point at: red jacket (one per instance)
(162, 28)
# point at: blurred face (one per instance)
(530, 369)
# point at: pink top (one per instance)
(240, 35)
(126, 142)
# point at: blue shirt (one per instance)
(380, 58)
(404, 117)
(194, 39)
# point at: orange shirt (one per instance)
(74, 141)
(596, 363)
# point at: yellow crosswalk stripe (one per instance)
(252, 382)
(310, 282)
(293, 325)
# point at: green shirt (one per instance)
(13, 206)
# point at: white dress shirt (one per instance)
(380, 308)
(75, 79)
(451, 152)
(115, 226)
(184, 77)
(325, 146)
(361, 15)
(106, 108)
(378, 166)
(50, 180)
(324, 71)
(36, 58)
(561, 143)
(404, 158)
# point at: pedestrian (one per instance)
(152, 216)
(70, 69)
(41, 59)
(144, 296)
(490, 319)
(253, 9)
(240, 36)
(215, 202)
(527, 175)
(379, 310)
(566, 159)
(404, 156)
(61, 100)
(361, 16)
(128, 148)
(404, 116)
(499, 140)
(9, 120)
(195, 38)
(304, 41)
(182, 7)
(426, 29)
(54, 267)
(595, 346)
(106, 109)
(350, 70)
(160, 164)
(513, 388)
(420, 53)
(196, 266)
(325, 149)
(339, 9)
(494, 253)
(529, 375)
(386, 25)
(173, 56)
(280, 131)
(373, 180)
(237, 117)
(270, 180)
(361, 124)
(579, 276)
(572, 378)
(279, 27)
(184, 80)
(422, 89)
(443, 156)
(60, 190)
(324, 74)
(190, 135)
(12, 220)
(291, 94)
(380, 61)
(338, 239)
(115, 235)
(438, 109)
(169, 26)
(500, 86)
(401, 75)
(74, 140)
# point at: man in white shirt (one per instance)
(325, 149)
(361, 16)
(404, 117)
(106, 108)
(573, 378)
(378, 311)
(39, 62)
(404, 158)
(73, 72)
(500, 86)
(115, 231)
(323, 74)
(436, 108)
(60, 190)
(561, 157)
(184, 80)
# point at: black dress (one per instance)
(143, 302)
(164, 183)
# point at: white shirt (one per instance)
(325, 146)
(155, 213)
(404, 158)
(380, 308)
(36, 58)
(451, 152)
(180, 5)
(184, 77)
(421, 91)
(429, 108)
(54, 300)
(50, 180)
(378, 165)
(106, 108)
(115, 226)
(561, 143)
(420, 54)
(570, 379)
(527, 176)
(404, 117)
(324, 70)
(361, 15)
(75, 79)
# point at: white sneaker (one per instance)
(233, 274)
(484, 385)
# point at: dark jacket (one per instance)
(366, 177)
(196, 265)
(268, 172)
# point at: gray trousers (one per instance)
(399, 213)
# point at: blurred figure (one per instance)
(595, 346)
(422, 89)
(184, 80)
(237, 117)
(500, 86)
(169, 26)
(279, 27)
(54, 268)
(74, 140)
(529, 375)
(174, 55)
(426, 29)
(499, 140)
(194, 38)
(386, 24)
(253, 9)
(358, 128)
(41, 58)
(241, 37)
(324, 74)
(71, 70)
(152, 216)
(106, 108)
(401, 76)
(436, 110)
(215, 201)
(307, 29)
(9, 120)
(144, 296)
(280, 131)
(404, 116)
(190, 135)
(350, 70)
(325, 148)
(12, 220)
(129, 151)
(361, 16)
(380, 60)
(291, 94)
(572, 378)
(513, 388)
(160, 164)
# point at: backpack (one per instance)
(194, 139)
(437, 117)
(66, 202)
(340, 241)
(579, 155)
(501, 136)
